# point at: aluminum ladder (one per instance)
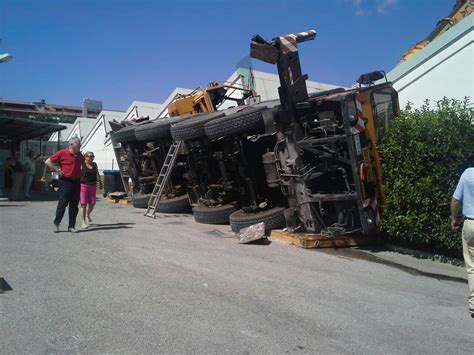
(163, 178)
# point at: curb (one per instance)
(425, 255)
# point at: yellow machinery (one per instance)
(209, 99)
(460, 11)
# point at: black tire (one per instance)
(192, 127)
(178, 204)
(156, 130)
(140, 201)
(125, 135)
(249, 118)
(213, 215)
(273, 218)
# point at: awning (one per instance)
(18, 129)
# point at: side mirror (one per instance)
(369, 78)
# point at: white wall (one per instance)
(62, 134)
(95, 141)
(95, 144)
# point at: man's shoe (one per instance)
(72, 230)
(56, 228)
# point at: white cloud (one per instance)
(367, 7)
(384, 6)
(355, 3)
(358, 5)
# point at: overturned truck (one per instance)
(307, 162)
(325, 159)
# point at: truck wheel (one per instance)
(125, 135)
(192, 127)
(140, 201)
(155, 130)
(213, 215)
(245, 120)
(178, 204)
(273, 218)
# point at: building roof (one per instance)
(81, 128)
(101, 125)
(23, 108)
(141, 109)
(18, 129)
(438, 45)
(62, 134)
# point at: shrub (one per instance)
(423, 155)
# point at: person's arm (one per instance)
(456, 202)
(455, 205)
(53, 166)
(83, 171)
(99, 181)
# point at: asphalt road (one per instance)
(135, 285)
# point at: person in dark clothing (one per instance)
(89, 180)
(15, 174)
(8, 173)
(69, 163)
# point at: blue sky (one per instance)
(118, 51)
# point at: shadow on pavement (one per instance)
(4, 285)
(361, 255)
(38, 196)
(93, 225)
(104, 227)
(262, 242)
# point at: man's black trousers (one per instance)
(69, 194)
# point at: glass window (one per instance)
(383, 109)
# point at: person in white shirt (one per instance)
(464, 195)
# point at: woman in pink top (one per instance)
(89, 180)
